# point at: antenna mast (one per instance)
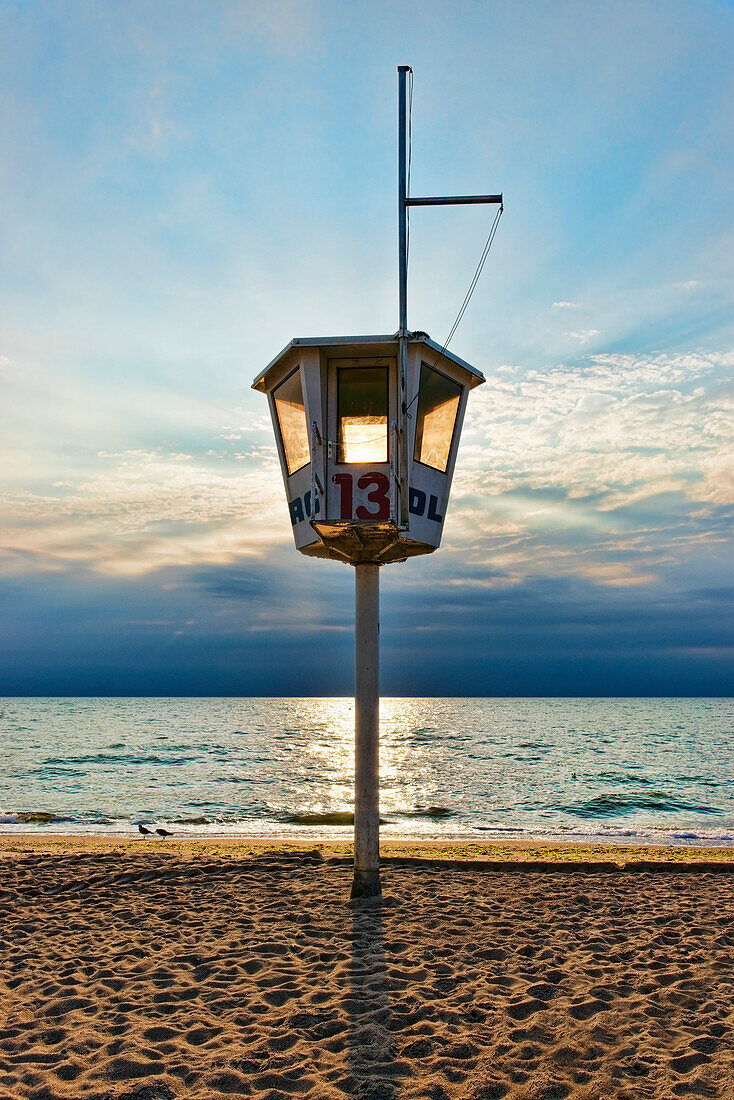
(404, 203)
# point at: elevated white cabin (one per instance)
(367, 470)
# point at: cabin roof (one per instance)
(345, 341)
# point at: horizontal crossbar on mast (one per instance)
(455, 200)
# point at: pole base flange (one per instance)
(366, 884)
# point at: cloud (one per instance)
(611, 471)
(584, 335)
(565, 305)
(241, 629)
(618, 423)
(287, 27)
(142, 510)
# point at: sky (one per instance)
(184, 187)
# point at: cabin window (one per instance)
(362, 413)
(438, 405)
(289, 406)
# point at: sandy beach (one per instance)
(158, 970)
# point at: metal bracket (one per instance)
(456, 200)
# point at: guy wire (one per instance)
(475, 279)
(470, 291)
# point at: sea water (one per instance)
(617, 770)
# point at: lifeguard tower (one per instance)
(367, 430)
(367, 472)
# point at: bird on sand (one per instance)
(142, 829)
(163, 832)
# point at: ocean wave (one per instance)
(334, 825)
(339, 817)
(38, 817)
(49, 817)
(424, 733)
(435, 812)
(56, 771)
(114, 758)
(622, 778)
(617, 805)
(335, 817)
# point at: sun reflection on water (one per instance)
(327, 762)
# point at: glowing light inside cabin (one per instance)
(362, 412)
(291, 412)
(438, 405)
(364, 439)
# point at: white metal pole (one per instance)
(402, 464)
(366, 731)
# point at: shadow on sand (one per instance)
(373, 1070)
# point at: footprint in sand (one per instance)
(686, 1062)
(705, 1044)
(197, 1036)
(543, 991)
(523, 1009)
(586, 1009)
(159, 1034)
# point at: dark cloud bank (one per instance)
(269, 630)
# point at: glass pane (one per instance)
(362, 411)
(292, 420)
(438, 404)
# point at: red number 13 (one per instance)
(379, 495)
